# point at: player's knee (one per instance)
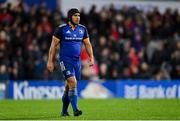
(71, 82)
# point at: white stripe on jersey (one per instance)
(62, 25)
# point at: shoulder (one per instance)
(59, 30)
(61, 26)
(82, 26)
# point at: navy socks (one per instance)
(65, 100)
(73, 99)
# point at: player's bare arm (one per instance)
(52, 52)
(89, 50)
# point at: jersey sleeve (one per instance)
(58, 33)
(86, 35)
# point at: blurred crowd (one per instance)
(128, 43)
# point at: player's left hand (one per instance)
(50, 66)
(91, 62)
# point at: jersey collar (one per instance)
(71, 27)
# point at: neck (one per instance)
(72, 25)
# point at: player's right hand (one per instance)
(91, 62)
(50, 66)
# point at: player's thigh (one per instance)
(69, 73)
(67, 69)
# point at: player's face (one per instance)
(76, 18)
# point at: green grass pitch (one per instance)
(93, 109)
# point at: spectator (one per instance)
(128, 43)
(4, 75)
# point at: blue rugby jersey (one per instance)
(70, 40)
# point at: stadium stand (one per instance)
(128, 43)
